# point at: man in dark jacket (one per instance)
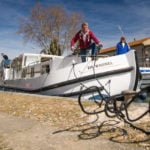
(122, 47)
(85, 37)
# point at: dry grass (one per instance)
(57, 111)
(64, 113)
(3, 145)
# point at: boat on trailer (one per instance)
(69, 76)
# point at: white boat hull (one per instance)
(68, 78)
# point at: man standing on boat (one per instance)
(122, 47)
(85, 38)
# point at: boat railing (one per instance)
(33, 63)
(99, 55)
(44, 59)
(89, 55)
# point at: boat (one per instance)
(69, 76)
(145, 77)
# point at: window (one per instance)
(32, 72)
(45, 69)
(24, 72)
(31, 60)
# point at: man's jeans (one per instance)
(83, 52)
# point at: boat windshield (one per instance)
(31, 60)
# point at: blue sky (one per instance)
(103, 16)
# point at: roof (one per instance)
(133, 43)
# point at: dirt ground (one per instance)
(31, 122)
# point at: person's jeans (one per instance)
(83, 52)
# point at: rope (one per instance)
(110, 104)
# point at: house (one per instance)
(142, 48)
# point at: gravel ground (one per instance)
(32, 122)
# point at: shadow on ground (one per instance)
(109, 129)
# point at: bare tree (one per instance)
(50, 27)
